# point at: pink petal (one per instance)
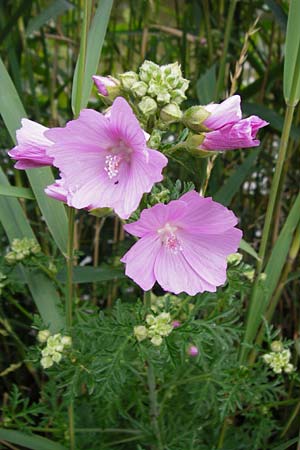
(175, 274)
(205, 215)
(140, 260)
(229, 111)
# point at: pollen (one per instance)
(112, 165)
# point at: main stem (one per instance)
(69, 262)
(153, 404)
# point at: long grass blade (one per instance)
(32, 441)
(291, 78)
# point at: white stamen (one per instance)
(169, 238)
(112, 164)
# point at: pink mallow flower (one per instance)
(104, 161)
(229, 111)
(184, 245)
(32, 146)
(102, 83)
(239, 134)
(57, 191)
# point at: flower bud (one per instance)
(234, 258)
(46, 362)
(155, 139)
(276, 346)
(107, 86)
(177, 96)
(140, 332)
(163, 96)
(156, 340)
(43, 335)
(171, 113)
(289, 368)
(193, 118)
(148, 71)
(10, 258)
(147, 106)
(139, 88)
(176, 324)
(193, 351)
(66, 341)
(128, 79)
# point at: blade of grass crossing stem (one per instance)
(12, 191)
(265, 288)
(291, 87)
(42, 290)
(12, 111)
(32, 441)
(93, 52)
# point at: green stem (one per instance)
(221, 75)
(147, 299)
(275, 184)
(294, 414)
(154, 412)
(69, 261)
(222, 434)
(208, 31)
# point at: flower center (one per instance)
(169, 239)
(117, 154)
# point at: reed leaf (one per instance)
(291, 76)
(33, 442)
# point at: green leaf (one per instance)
(91, 275)
(232, 185)
(291, 77)
(54, 213)
(32, 441)
(56, 8)
(206, 86)
(93, 52)
(12, 191)
(273, 270)
(278, 13)
(42, 290)
(248, 249)
(275, 119)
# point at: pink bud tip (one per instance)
(176, 324)
(193, 351)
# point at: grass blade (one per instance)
(291, 78)
(206, 86)
(93, 52)
(12, 111)
(32, 441)
(91, 275)
(12, 191)
(43, 292)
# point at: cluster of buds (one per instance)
(22, 249)
(55, 346)
(2, 281)
(279, 358)
(157, 328)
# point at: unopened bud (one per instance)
(147, 106)
(276, 346)
(171, 113)
(156, 340)
(234, 258)
(176, 323)
(10, 258)
(193, 351)
(66, 341)
(148, 70)
(139, 88)
(43, 335)
(128, 79)
(193, 118)
(46, 362)
(140, 332)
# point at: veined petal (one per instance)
(229, 111)
(140, 260)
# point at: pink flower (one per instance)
(184, 245)
(57, 191)
(229, 111)
(176, 324)
(102, 83)
(104, 161)
(193, 351)
(32, 146)
(239, 134)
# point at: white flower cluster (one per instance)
(56, 344)
(21, 249)
(157, 85)
(279, 358)
(157, 328)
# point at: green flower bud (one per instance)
(177, 96)
(289, 368)
(276, 346)
(10, 258)
(148, 71)
(139, 88)
(66, 341)
(193, 118)
(171, 113)
(140, 332)
(156, 340)
(56, 357)
(155, 139)
(249, 274)
(43, 335)
(147, 106)
(128, 79)
(150, 319)
(46, 362)
(234, 258)
(163, 96)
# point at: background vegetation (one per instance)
(217, 400)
